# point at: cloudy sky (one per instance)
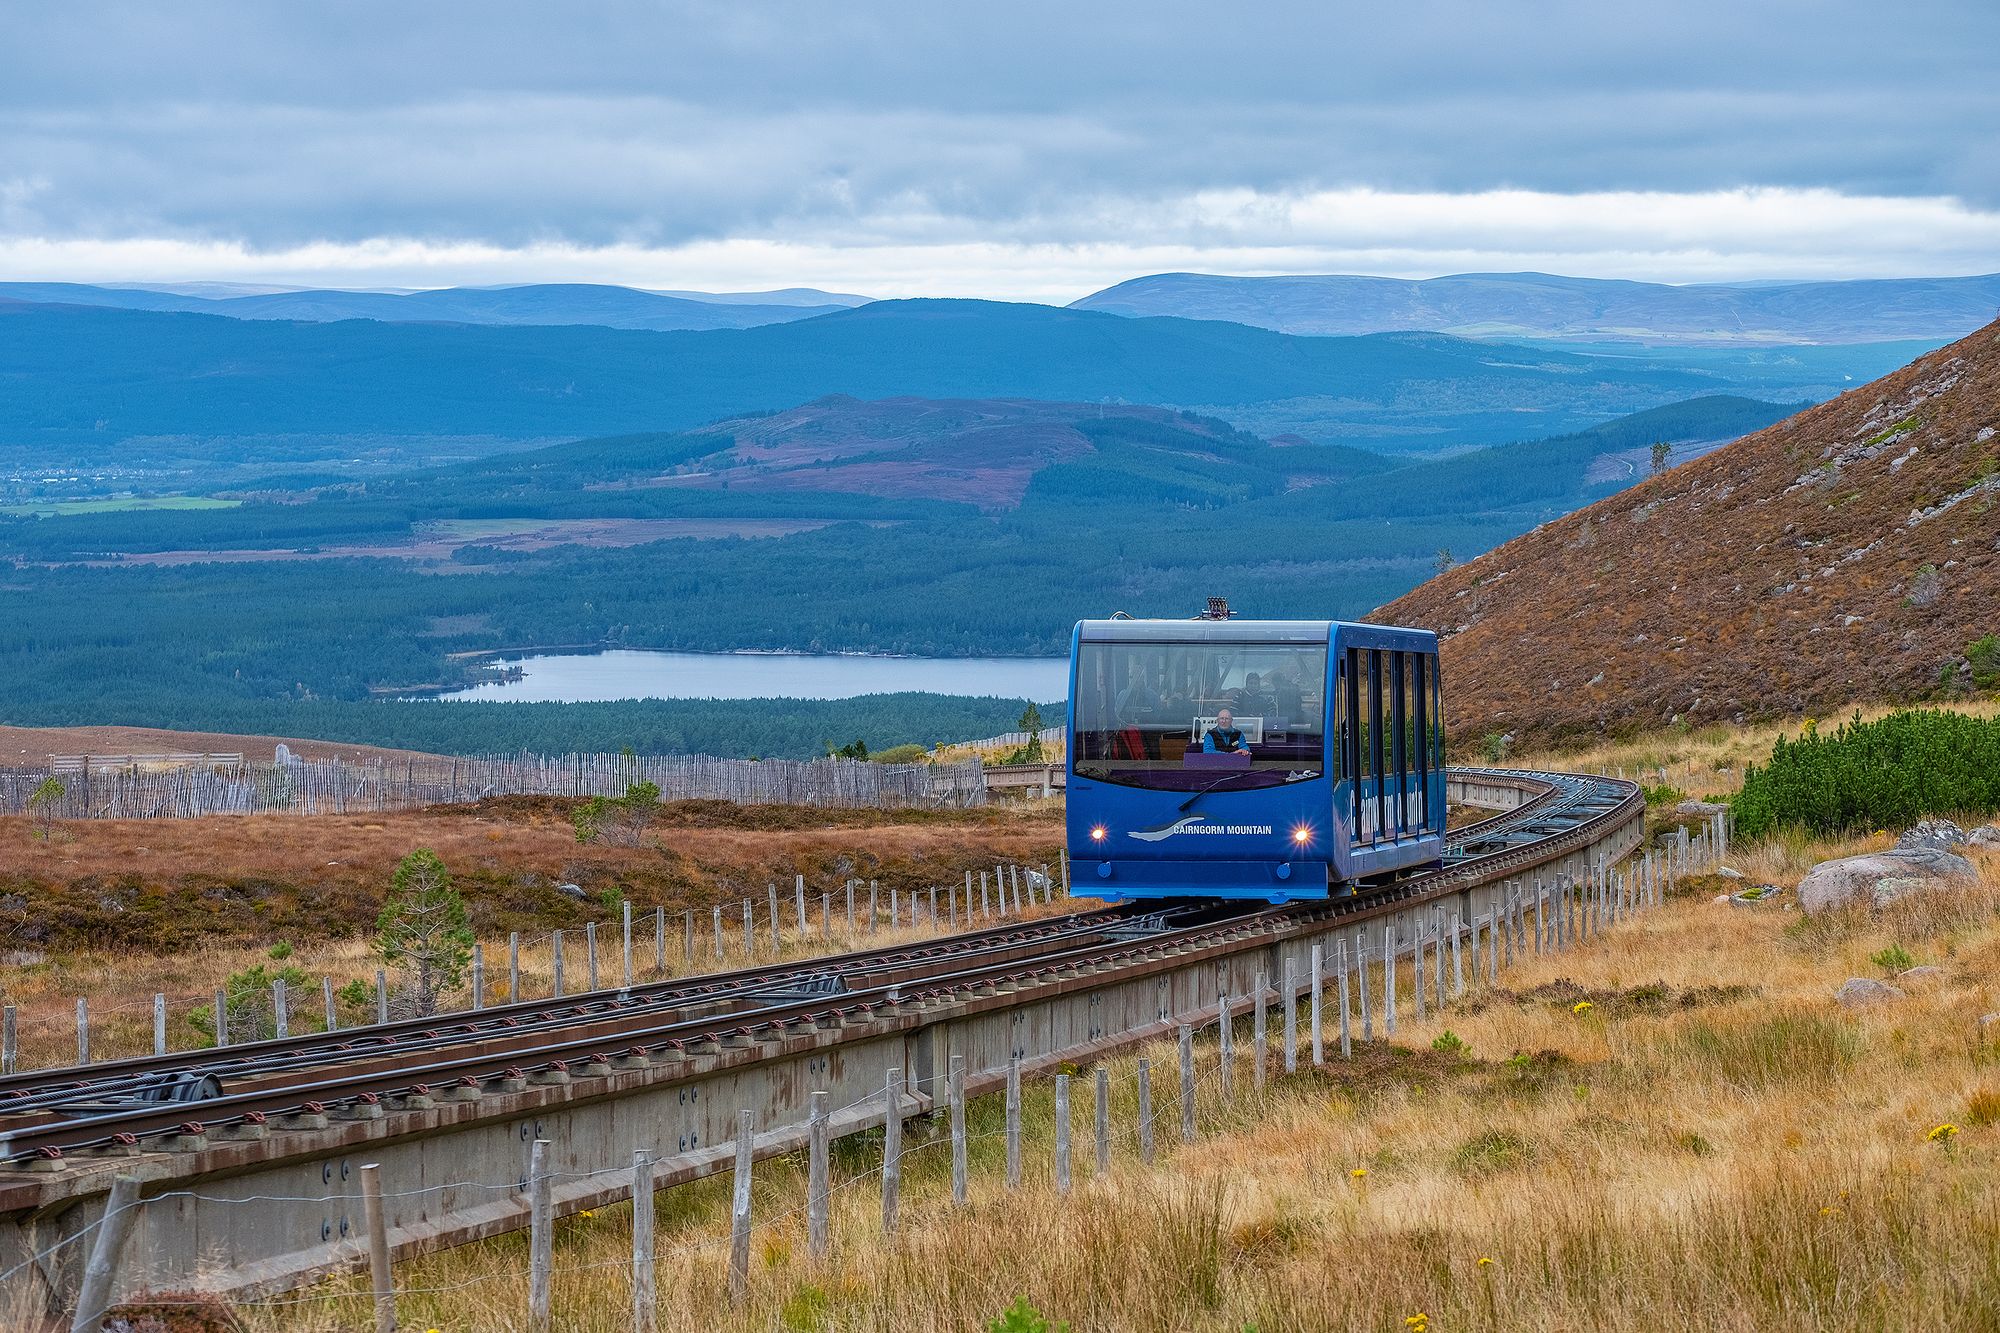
(1019, 150)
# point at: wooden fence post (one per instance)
(478, 977)
(715, 928)
(1437, 957)
(985, 903)
(99, 1273)
(541, 1236)
(1146, 1110)
(1388, 981)
(1346, 1031)
(1318, 1018)
(222, 1018)
(819, 1197)
(1291, 1018)
(749, 930)
(1187, 1083)
(892, 1148)
(379, 1276)
(159, 1024)
(645, 1298)
(281, 1016)
(10, 1050)
(659, 941)
(590, 954)
(739, 1208)
(1457, 967)
(1103, 1108)
(958, 1165)
(874, 905)
(1361, 983)
(1014, 1122)
(777, 931)
(850, 909)
(556, 962)
(82, 1030)
(1062, 1133)
(1260, 1036)
(514, 967)
(628, 944)
(1225, 1033)
(1417, 968)
(799, 900)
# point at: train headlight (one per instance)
(1097, 834)
(1302, 836)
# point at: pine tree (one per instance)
(423, 931)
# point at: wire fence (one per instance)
(336, 786)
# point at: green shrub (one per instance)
(1450, 1043)
(1022, 1317)
(1491, 1152)
(1865, 775)
(900, 754)
(1983, 656)
(1893, 959)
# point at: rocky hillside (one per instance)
(1851, 552)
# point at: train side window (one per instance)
(1378, 718)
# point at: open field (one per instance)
(1671, 1127)
(116, 910)
(113, 505)
(33, 745)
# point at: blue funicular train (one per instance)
(1251, 759)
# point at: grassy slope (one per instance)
(1712, 1144)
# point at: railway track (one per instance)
(256, 1160)
(189, 1100)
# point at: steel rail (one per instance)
(31, 1090)
(124, 1127)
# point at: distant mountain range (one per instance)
(77, 382)
(540, 304)
(1842, 555)
(1539, 305)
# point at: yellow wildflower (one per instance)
(1582, 1007)
(1942, 1133)
(588, 1212)
(1485, 1262)
(1417, 1322)
(1829, 1211)
(1359, 1173)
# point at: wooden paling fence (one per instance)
(333, 786)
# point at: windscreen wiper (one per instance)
(1226, 777)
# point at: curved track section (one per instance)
(273, 1126)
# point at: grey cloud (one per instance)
(660, 123)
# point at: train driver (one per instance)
(1225, 737)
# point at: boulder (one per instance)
(1858, 991)
(1989, 836)
(1877, 878)
(572, 891)
(1729, 872)
(1919, 975)
(1934, 834)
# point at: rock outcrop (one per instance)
(1877, 878)
(1858, 991)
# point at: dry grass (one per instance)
(1703, 762)
(1713, 1144)
(118, 910)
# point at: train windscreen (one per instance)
(1187, 716)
